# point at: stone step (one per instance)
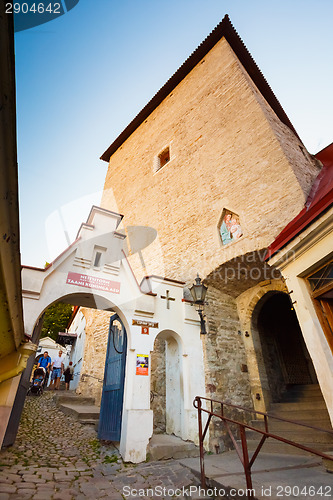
(72, 398)
(302, 415)
(165, 446)
(303, 388)
(89, 421)
(274, 446)
(299, 404)
(306, 398)
(299, 436)
(318, 404)
(280, 426)
(81, 412)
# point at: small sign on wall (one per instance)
(145, 330)
(142, 364)
(140, 322)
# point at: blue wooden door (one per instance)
(113, 388)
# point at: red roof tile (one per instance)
(319, 199)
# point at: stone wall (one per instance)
(249, 305)
(158, 386)
(225, 360)
(92, 373)
(228, 150)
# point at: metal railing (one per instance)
(87, 375)
(243, 453)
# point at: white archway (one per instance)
(94, 272)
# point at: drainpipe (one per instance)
(24, 352)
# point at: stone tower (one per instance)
(211, 147)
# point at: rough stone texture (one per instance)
(249, 305)
(224, 358)
(57, 458)
(97, 329)
(157, 386)
(228, 150)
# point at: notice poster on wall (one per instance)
(142, 364)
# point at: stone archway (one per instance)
(167, 394)
(283, 350)
(94, 273)
(263, 314)
(247, 304)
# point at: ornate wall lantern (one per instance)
(198, 291)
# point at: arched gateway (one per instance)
(94, 272)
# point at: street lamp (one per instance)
(198, 291)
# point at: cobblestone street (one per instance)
(55, 457)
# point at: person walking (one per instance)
(45, 362)
(69, 374)
(57, 371)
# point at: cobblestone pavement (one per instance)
(55, 457)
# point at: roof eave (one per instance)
(223, 29)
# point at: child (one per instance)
(235, 229)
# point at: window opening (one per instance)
(164, 158)
(97, 261)
(321, 284)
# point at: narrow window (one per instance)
(97, 261)
(164, 158)
(321, 284)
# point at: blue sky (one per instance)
(82, 78)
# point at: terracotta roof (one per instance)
(319, 199)
(223, 29)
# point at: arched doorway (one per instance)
(284, 354)
(167, 398)
(113, 385)
(114, 379)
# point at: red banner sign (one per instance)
(93, 282)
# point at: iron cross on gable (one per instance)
(168, 298)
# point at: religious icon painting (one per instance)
(229, 227)
(142, 364)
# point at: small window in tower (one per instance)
(164, 157)
(97, 261)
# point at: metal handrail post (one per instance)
(202, 464)
(246, 462)
(243, 454)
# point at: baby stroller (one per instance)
(38, 378)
